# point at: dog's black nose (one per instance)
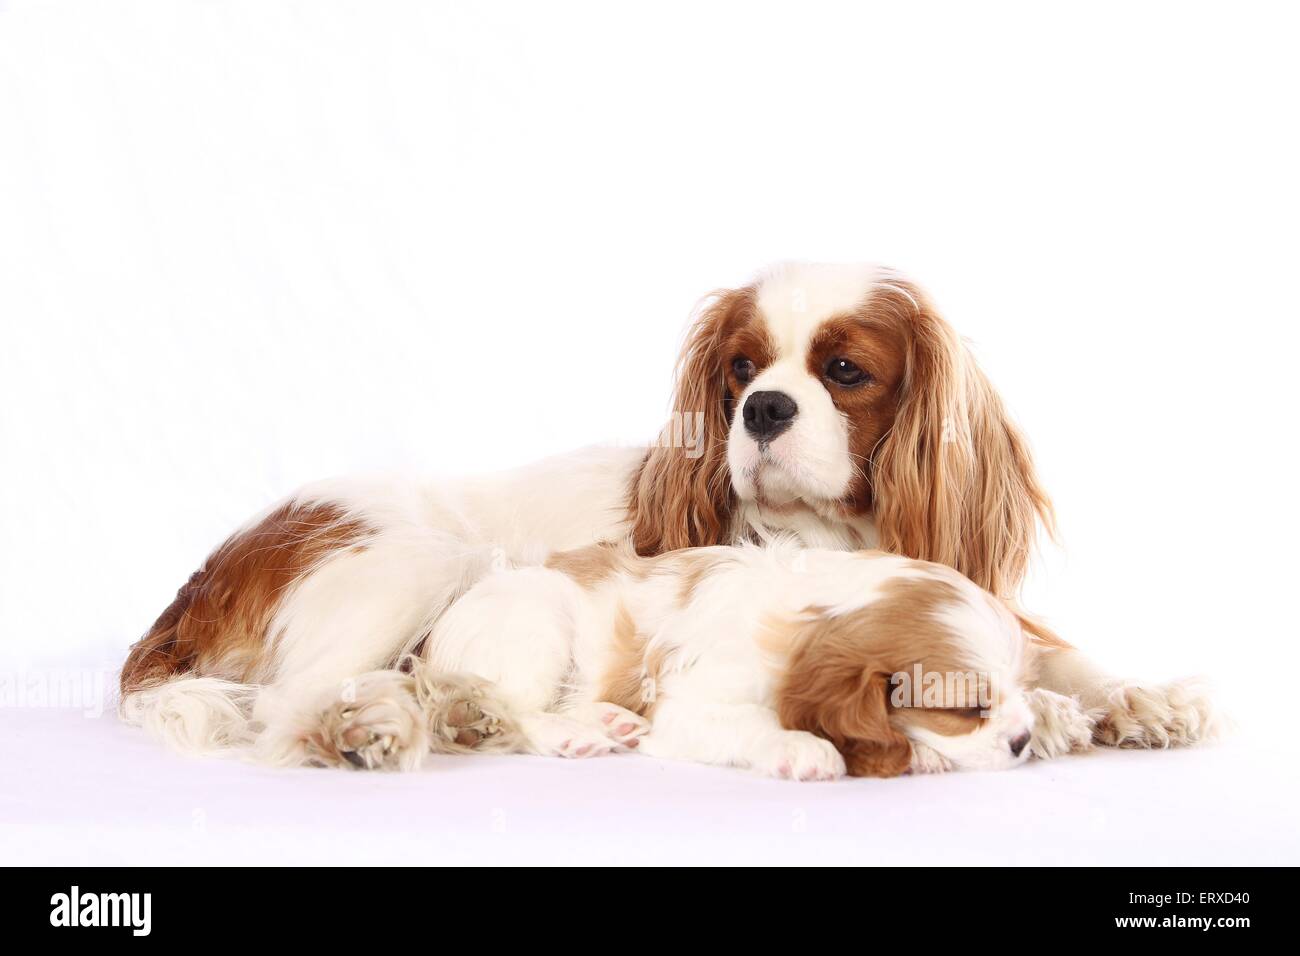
(1019, 743)
(767, 414)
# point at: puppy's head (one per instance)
(839, 389)
(924, 678)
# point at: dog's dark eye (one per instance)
(743, 368)
(843, 372)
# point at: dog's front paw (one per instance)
(373, 724)
(1061, 725)
(799, 755)
(555, 735)
(1166, 715)
(927, 760)
(462, 714)
(619, 724)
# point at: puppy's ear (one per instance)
(953, 481)
(681, 496)
(833, 693)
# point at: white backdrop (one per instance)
(244, 245)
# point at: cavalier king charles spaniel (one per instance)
(826, 406)
(804, 664)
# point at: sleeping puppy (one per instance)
(804, 664)
(829, 403)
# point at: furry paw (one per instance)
(462, 714)
(1061, 725)
(927, 760)
(1168, 715)
(619, 724)
(554, 735)
(799, 755)
(374, 724)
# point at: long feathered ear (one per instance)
(832, 692)
(953, 481)
(681, 496)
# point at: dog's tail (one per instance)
(193, 715)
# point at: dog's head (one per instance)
(840, 389)
(927, 675)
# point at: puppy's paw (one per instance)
(619, 724)
(1166, 715)
(462, 714)
(374, 723)
(799, 755)
(1061, 725)
(927, 760)
(554, 735)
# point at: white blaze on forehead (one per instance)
(796, 297)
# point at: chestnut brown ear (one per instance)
(838, 696)
(682, 497)
(953, 481)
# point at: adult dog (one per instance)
(832, 404)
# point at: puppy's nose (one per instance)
(767, 414)
(1019, 743)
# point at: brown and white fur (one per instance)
(838, 409)
(806, 664)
